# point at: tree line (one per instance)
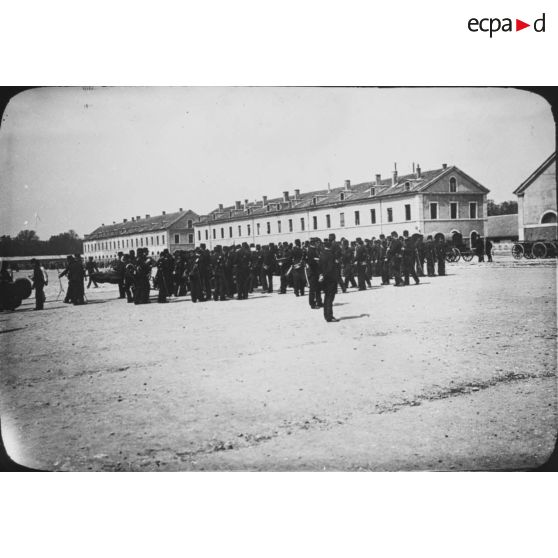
(504, 208)
(27, 243)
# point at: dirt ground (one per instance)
(456, 373)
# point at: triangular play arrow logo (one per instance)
(519, 25)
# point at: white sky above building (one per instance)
(73, 158)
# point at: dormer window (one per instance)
(214, 216)
(268, 208)
(453, 184)
(407, 186)
(230, 214)
(249, 211)
(342, 196)
(372, 192)
(314, 200)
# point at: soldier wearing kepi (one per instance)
(394, 256)
(164, 276)
(313, 272)
(360, 261)
(409, 259)
(329, 274)
(91, 267)
(430, 255)
(299, 279)
(38, 284)
(347, 258)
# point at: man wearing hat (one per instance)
(328, 278)
(38, 284)
(360, 261)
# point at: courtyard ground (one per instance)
(457, 373)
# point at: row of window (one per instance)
(220, 233)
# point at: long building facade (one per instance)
(445, 200)
(172, 231)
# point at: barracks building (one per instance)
(174, 231)
(445, 200)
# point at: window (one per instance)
(230, 232)
(158, 240)
(548, 217)
(407, 186)
(206, 235)
(315, 222)
(118, 244)
(190, 238)
(314, 200)
(372, 192)
(199, 235)
(341, 219)
(433, 210)
(278, 226)
(290, 225)
(453, 210)
(373, 216)
(258, 228)
(222, 232)
(341, 196)
(389, 214)
(453, 185)
(357, 217)
(214, 234)
(302, 223)
(248, 229)
(328, 221)
(239, 230)
(268, 227)
(177, 239)
(472, 210)
(189, 223)
(137, 242)
(151, 241)
(407, 212)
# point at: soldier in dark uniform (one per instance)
(284, 262)
(205, 272)
(369, 249)
(419, 254)
(179, 274)
(479, 248)
(118, 266)
(165, 266)
(76, 277)
(195, 276)
(255, 267)
(268, 267)
(218, 265)
(91, 267)
(228, 266)
(430, 254)
(394, 256)
(488, 250)
(409, 259)
(242, 266)
(129, 271)
(329, 275)
(347, 260)
(141, 278)
(360, 262)
(440, 250)
(313, 272)
(68, 299)
(38, 284)
(299, 278)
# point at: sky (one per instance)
(74, 158)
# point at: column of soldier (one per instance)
(227, 272)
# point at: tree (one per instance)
(504, 208)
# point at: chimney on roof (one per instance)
(237, 205)
(164, 213)
(413, 167)
(419, 174)
(180, 209)
(264, 199)
(297, 194)
(133, 220)
(378, 179)
(220, 207)
(114, 222)
(347, 185)
(147, 216)
(444, 166)
(394, 175)
(138, 217)
(102, 224)
(125, 220)
(286, 196)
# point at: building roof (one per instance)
(138, 226)
(332, 196)
(502, 226)
(531, 178)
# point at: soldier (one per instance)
(479, 248)
(268, 261)
(195, 276)
(141, 278)
(255, 267)
(204, 264)
(165, 266)
(419, 253)
(369, 249)
(394, 256)
(118, 266)
(299, 279)
(284, 261)
(242, 266)
(347, 259)
(38, 284)
(218, 265)
(313, 272)
(76, 277)
(329, 275)
(91, 267)
(409, 259)
(129, 271)
(440, 251)
(68, 299)
(179, 274)
(360, 262)
(430, 254)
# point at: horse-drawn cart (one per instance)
(535, 249)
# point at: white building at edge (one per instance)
(172, 231)
(445, 200)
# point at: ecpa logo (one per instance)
(492, 25)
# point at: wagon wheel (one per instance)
(449, 256)
(539, 250)
(456, 254)
(467, 256)
(517, 251)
